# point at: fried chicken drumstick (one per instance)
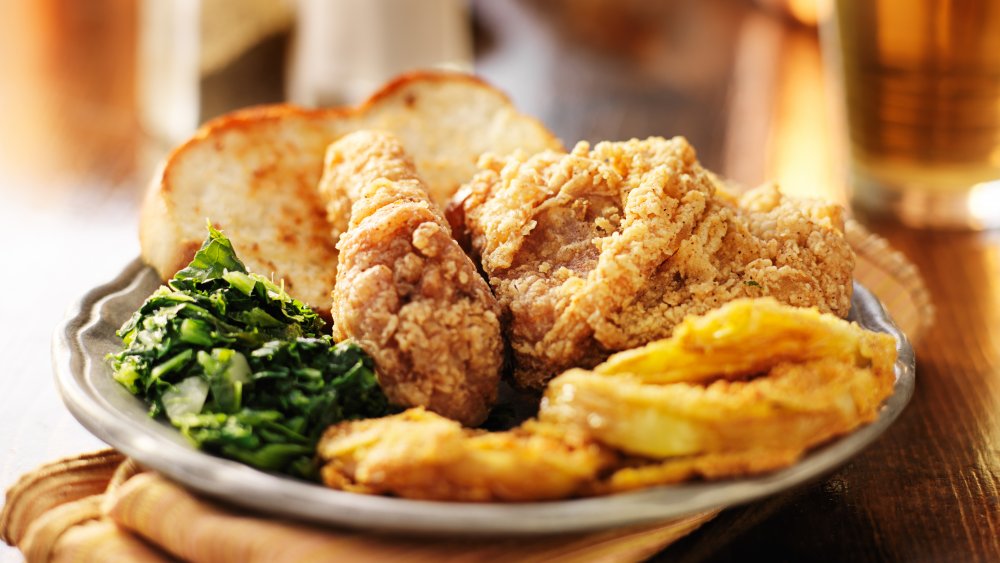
(405, 290)
(594, 252)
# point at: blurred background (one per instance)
(94, 94)
(96, 89)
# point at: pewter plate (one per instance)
(120, 419)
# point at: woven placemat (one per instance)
(110, 510)
(102, 507)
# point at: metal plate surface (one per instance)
(120, 419)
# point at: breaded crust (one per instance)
(602, 250)
(406, 292)
(254, 173)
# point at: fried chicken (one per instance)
(405, 291)
(593, 252)
(611, 429)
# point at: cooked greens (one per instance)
(240, 367)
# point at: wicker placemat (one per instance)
(102, 507)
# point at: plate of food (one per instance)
(506, 337)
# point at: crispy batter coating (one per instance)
(800, 401)
(598, 251)
(405, 291)
(601, 433)
(420, 455)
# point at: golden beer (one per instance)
(921, 80)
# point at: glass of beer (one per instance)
(920, 81)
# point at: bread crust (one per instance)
(253, 172)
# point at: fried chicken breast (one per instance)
(602, 250)
(405, 291)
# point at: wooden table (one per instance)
(744, 86)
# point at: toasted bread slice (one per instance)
(254, 173)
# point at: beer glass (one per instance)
(920, 83)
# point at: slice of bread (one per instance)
(254, 172)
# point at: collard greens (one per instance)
(240, 367)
